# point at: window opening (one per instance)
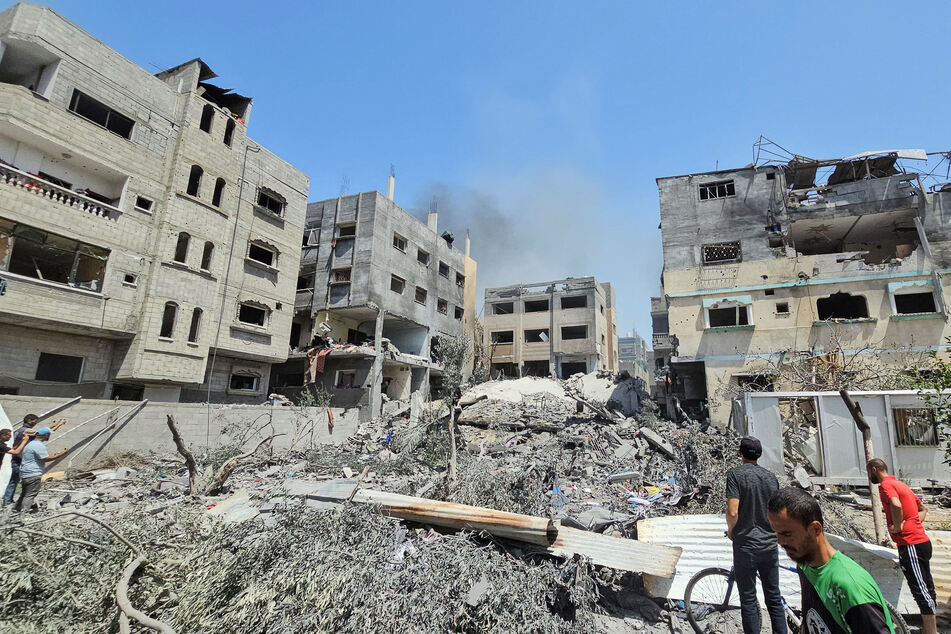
(536, 305)
(915, 303)
(397, 284)
(536, 368)
(574, 332)
(444, 269)
(129, 279)
(168, 320)
(728, 316)
(229, 131)
(206, 256)
(537, 335)
(243, 382)
(915, 427)
(101, 114)
(311, 238)
(305, 282)
(61, 368)
(718, 189)
(271, 201)
(346, 379)
(219, 190)
(399, 242)
(574, 301)
(422, 257)
(769, 291)
(347, 230)
(194, 181)
(782, 308)
(252, 314)
(442, 306)
(459, 312)
(342, 275)
(143, 203)
(420, 295)
(503, 308)
(460, 280)
(45, 256)
(575, 367)
(181, 247)
(503, 336)
(802, 440)
(842, 306)
(262, 254)
(195, 325)
(54, 180)
(721, 252)
(207, 115)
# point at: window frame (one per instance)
(727, 305)
(256, 305)
(399, 240)
(263, 246)
(704, 190)
(270, 195)
(901, 435)
(75, 101)
(425, 296)
(79, 376)
(712, 245)
(255, 381)
(400, 280)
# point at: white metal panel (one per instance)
(764, 423)
(841, 442)
(5, 468)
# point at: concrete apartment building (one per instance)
(520, 319)
(636, 357)
(770, 261)
(384, 287)
(122, 238)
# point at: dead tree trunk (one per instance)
(856, 410)
(219, 479)
(189, 458)
(452, 441)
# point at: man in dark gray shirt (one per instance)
(748, 489)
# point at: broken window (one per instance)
(229, 132)
(536, 305)
(45, 256)
(194, 180)
(802, 441)
(397, 284)
(305, 282)
(168, 320)
(444, 269)
(347, 230)
(420, 295)
(459, 312)
(311, 237)
(219, 191)
(341, 275)
(842, 306)
(503, 308)
(101, 114)
(574, 332)
(143, 203)
(346, 379)
(915, 303)
(61, 368)
(243, 382)
(718, 189)
(720, 252)
(195, 325)
(460, 280)
(503, 336)
(422, 257)
(442, 306)
(575, 367)
(574, 301)
(271, 201)
(399, 242)
(536, 368)
(262, 253)
(252, 314)
(206, 256)
(537, 335)
(915, 427)
(782, 308)
(728, 316)
(181, 247)
(207, 116)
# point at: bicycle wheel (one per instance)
(897, 620)
(709, 596)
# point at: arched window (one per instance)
(196, 324)
(206, 256)
(181, 247)
(219, 190)
(229, 131)
(194, 180)
(168, 320)
(207, 116)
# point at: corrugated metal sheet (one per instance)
(705, 546)
(616, 552)
(941, 569)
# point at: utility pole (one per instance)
(856, 410)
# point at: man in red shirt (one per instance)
(905, 513)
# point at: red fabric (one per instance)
(321, 359)
(315, 364)
(912, 532)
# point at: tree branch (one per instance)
(218, 481)
(189, 458)
(108, 527)
(122, 598)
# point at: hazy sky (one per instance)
(541, 126)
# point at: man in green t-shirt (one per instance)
(838, 595)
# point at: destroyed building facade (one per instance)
(556, 328)
(134, 211)
(635, 356)
(377, 290)
(791, 259)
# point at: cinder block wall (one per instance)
(148, 432)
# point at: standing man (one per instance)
(904, 514)
(14, 451)
(838, 595)
(748, 490)
(29, 422)
(35, 457)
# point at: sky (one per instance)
(540, 127)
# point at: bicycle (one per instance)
(711, 593)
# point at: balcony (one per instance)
(13, 177)
(304, 298)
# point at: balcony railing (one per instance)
(33, 184)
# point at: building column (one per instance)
(376, 373)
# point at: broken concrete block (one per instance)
(348, 472)
(478, 590)
(657, 442)
(802, 477)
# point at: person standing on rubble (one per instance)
(838, 595)
(35, 456)
(904, 514)
(29, 422)
(748, 489)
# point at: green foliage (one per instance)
(454, 352)
(934, 387)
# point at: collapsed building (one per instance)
(144, 237)
(556, 328)
(800, 257)
(377, 289)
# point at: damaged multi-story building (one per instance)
(376, 292)
(795, 258)
(556, 328)
(635, 356)
(144, 237)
